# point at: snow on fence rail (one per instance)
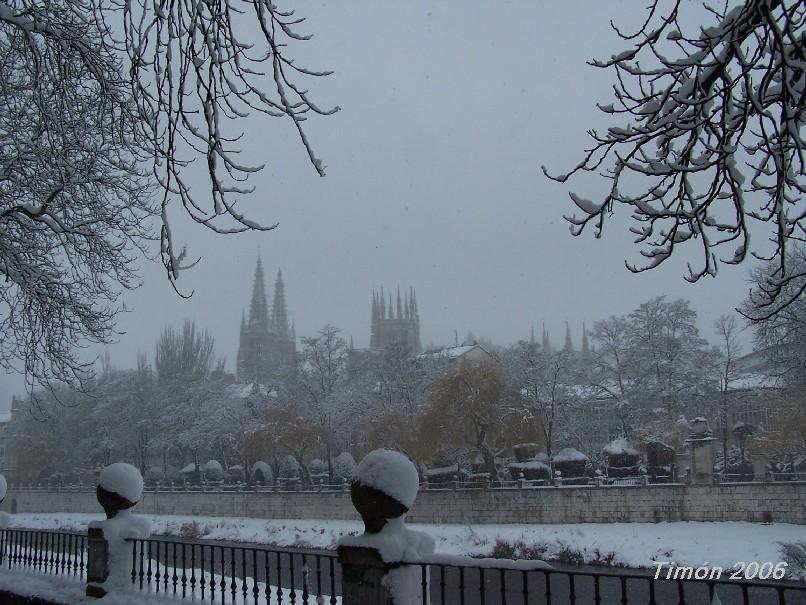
(224, 573)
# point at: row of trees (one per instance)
(645, 370)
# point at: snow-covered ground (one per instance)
(631, 544)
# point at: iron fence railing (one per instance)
(223, 573)
(49, 552)
(449, 580)
(458, 484)
(231, 573)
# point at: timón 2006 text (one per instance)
(752, 570)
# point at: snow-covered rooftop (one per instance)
(451, 352)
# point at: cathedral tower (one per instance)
(267, 349)
(395, 324)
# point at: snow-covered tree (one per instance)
(651, 361)
(782, 334)
(709, 138)
(323, 377)
(185, 356)
(545, 384)
(727, 331)
(106, 104)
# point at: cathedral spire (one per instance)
(258, 309)
(532, 336)
(399, 304)
(569, 346)
(279, 312)
(383, 305)
(546, 341)
(585, 345)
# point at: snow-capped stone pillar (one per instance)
(381, 566)
(120, 487)
(4, 516)
(702, 453)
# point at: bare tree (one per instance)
(727, 331)
(710, 139)
(322, 372)
(105, 103)
(650, 361)
(782, 335)
(184, 356)
(544, 382)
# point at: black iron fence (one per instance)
(222, 573)
(460, 581)
(48, 552)
(227, 573)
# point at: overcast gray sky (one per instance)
(449, 108)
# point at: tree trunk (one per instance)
(489, 461)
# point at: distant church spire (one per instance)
(267, 348)
(395, 320)
(258, 309)
(585, 345)
(546, 342)
(279, 312)
(532, 336)
(569, 346)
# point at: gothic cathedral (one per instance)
(395, 325)
(267, 349)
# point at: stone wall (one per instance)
(778, 502)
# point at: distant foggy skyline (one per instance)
(449, 109)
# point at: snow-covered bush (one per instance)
(289, 468)
(532, 470)
(213, 471)
(571, 465)
(739, 467)
(235, 474)
(317, 466)
(261, 472)
(290, 473)
(318, 471)
(343, 466)
(623, 459)
(445, 474)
